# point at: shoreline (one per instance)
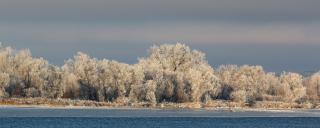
(225, 106)
(137, 112)
(229, 110)
(129, 112)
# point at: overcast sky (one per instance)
(278, 34)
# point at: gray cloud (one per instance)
(146, 10)
(278, 34)
(216, 33)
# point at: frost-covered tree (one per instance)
(53, 87)
(245, 83)
(100, 80)
(275, 91)
(5, 54)
(37, 77)
(181, 74)
(145, 92)
(85, 69)
(171, 73)
(292, 84)
(29, 77)
(312, 85)
(70, 85)
(120, 79)
(114, 80)
(4, 83)
(25, 76)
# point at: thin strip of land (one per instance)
(211, 105)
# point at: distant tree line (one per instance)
(170, 73)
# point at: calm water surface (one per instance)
(11, 117)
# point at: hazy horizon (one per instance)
(274, 58)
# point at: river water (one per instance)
(12, 117)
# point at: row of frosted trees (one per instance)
(171, 73)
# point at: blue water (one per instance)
(159, 122)
(147, 118)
